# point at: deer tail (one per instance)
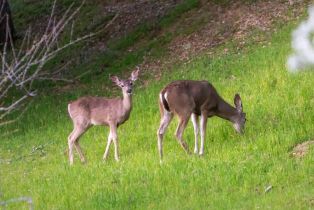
(69, 109)
(164, 101)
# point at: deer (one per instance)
(195, 99)
(88, 111)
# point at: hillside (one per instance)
(239, 46)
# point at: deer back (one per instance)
(98, 110)
(185, 95)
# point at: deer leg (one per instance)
(203, 132)
(70, 144)
(79, 151)
(179, 133)
(107, 147)
(73, 137)
(164, 123)
(113, 131)
(194, 119)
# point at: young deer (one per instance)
(88, 111)
(189, 98)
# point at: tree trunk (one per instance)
(5, 20)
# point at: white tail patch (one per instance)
(160, 97)
(69, 107)
(166, 97)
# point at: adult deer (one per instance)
(88, 111)
(187, 98)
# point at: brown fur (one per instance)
(88, 111)
(99, 110)
(188, 97)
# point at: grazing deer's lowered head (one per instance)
(188, 98)
(240, 118)
(88, 111)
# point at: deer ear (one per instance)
(238, 102)
(115, 80)
(134, 74)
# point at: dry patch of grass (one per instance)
(300, 150)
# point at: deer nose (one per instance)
(129, 91)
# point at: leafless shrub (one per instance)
(22, 66)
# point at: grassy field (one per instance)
(233, 173)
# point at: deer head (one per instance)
(240, 119)
(126, 85)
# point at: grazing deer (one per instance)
(189, 98)
(88, 111)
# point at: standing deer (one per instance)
(187, 98)
(88, 111)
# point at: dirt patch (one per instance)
(236, 21)
(300, 150)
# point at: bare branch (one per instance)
(21, 68)
(17, 102)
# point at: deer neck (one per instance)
(226, 111)
(127, 102)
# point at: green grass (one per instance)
(233, 174)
